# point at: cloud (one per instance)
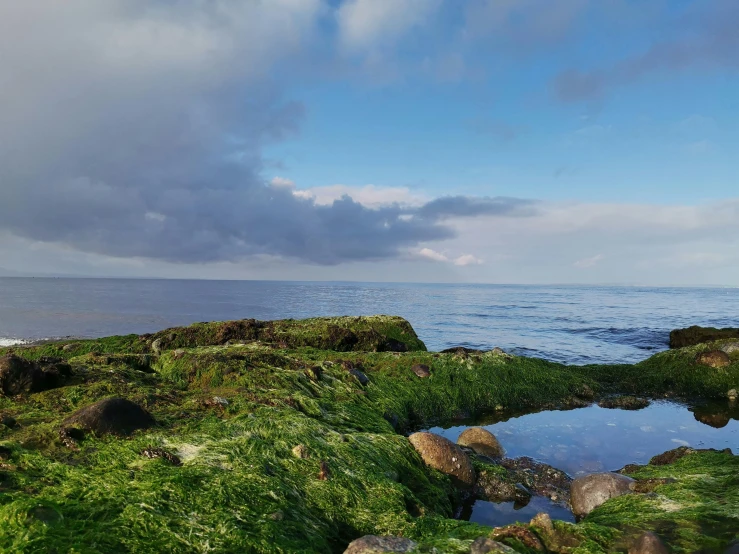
(588, 262)
(369, 24)
(370, 196)
(466, 206)
(432, 255)
(703, 39)
(467, 259)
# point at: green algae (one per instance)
(234, 412)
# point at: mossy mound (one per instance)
(218, 472)
(680, 338)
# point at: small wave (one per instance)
(12, 342)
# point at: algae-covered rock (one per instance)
(680, 338)
(590, 491)
(371, 544)
(422, 370)
(481, 441)
(731, 348)
(445, 456)
(713, 358)
(8, 421)
(496, 487)
(485, 545)
(115, 416)
(624, 403)
(18, 376)
(648, 543)
(539, 478)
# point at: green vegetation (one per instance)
(233, 400)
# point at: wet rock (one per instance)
(18, 376)
(371, 544)
(301, 452)
(71, 436)
(522, 534)
(392, 345)
(484, 545)
(445, 456)
(8, 421)
(359, 376)
(713, 358)
(671, 456)
(543, 522)
(481, 441)
(731, 348)
(624, 403)
(540, 479)
(421, 370)
(116, 416)
(649, 485)
(691, 336)
(648, 543)
(494, 487)
(589, 492)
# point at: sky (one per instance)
(491, 141)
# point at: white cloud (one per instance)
(467, 259)
(368, 24)
(282, 182)
(588, 262)
(370, 196)
(432, 255)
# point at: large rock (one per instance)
(691, 336)
(445, 456)
(481, 441)
(371, 544)
(590, 491)
(116, 416)
(18, 376)
(714, 358)
(731, 348)
(648, 543)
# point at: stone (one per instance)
(713, 358)
(541, 479)
(445, 456)
(5, 453)
(494, 487)
(543, 522)
(372, 544)
(359, 376)
(69, 347)
(116, 416)
(314, 373)
(648, 543)
(481, 441)
(301, 452)
(590, 491)
(731, 348)
(8, 421)
(324, 473)
(421, 370)
(156, 346)
(732, 395)
(18, 376)
(691, 336)
(624, 403)
(484, 545)
(674, 455)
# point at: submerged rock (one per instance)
(421, 370)
(481, 441)
(648, 543)
(714, 419)
(494, 487)
(624, 403)
(590, 491)
(445, 456)
(541, 479)
(714, 358)
(116, 416)
(691, 336)
(372, 544)
(484, 545)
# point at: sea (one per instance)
(571, 324)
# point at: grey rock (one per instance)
(648, 543)
(421, 370)
(590, 491)
(116, 416)
(445, 456)
(481, 441)
(372, 544)
(731, 348)
(359, 376)
(484, 545)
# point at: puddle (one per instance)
(594, 439)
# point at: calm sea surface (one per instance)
(564, 323)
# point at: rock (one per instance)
(733, 547)
(481, 441)
(359, 376)
(156, 346)
(371, 544)
(541, 479)
(445, 456)
(421, 370)
(586, 392)
(649, 485)
(691, 336)
(543, 522)
(116, 416)
(717, 420)
(324, 473)
(624, 403)
(520, 533)
(178, 354)
(18, 376)
(5, 453)
(589, 492)
(8, 421)
(69, 347)
(301, 452)
(494, 487)
(713, 358)
(671, 456)
(648, 543)
(731, 348)
(732, 395)
(484, 545)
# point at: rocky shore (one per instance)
(306, 436)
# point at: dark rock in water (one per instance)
(116, 416)
(691, 336)
(493, 487)
(714, 419)
(674, 455)
(371, 544)
(589, 492)
(445, 456)
(541, 479)
(484, 545)
(18, 376)
(359, 376)
(421, 370)
(624, 403)
(8, 421)
(481, 441)
(714, 358)
(648, 543)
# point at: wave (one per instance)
(12, 342)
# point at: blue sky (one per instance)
(505, 141)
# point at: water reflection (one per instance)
(505, 513)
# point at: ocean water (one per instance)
(574, 324)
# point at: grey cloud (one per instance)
(706, 38)
(466, 206)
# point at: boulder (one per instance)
(624, 403)
(732, 395)
(648, 543)
(541, 479)
(731, 348)
(484, 545)
(481, 441)
(8, 421)
(18, 376)
(691, 336)
(713, 358)
(590, 491)
(115, 416)
(421, 370)
(445, 456)
(371, 544)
